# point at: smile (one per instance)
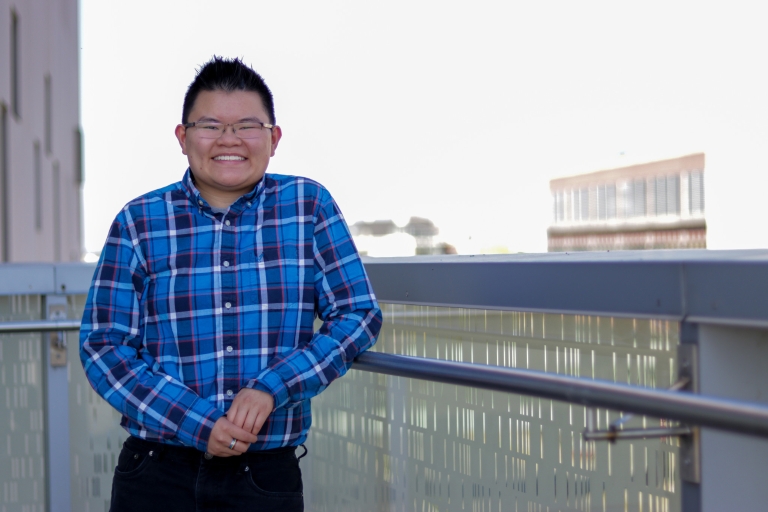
(228, 157)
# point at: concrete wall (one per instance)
(40, 194)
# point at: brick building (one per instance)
(654, 205)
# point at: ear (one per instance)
(181, 135)
(277, 134)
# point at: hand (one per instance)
(250, 409)
(222, 434)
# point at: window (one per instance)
(584, 204)
(38, 187)
(15, 85)
(673, 195)
(56, 212)
(557, 201)
(48, 116)
(4, 195)
(606, 201)
(696, 192)
(610, 201)
(79, 169)
(634, 198)
(667, 195)
(660, 202)
(639, 197)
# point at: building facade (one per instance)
(41, 171)
(654, 205)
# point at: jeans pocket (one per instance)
(275, 476)
(131, 462)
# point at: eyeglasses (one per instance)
(250, 130)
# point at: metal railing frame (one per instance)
(717, 413)
(721, 414)
(718, 297)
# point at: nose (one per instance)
(229, 134)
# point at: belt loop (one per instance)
(303, 454)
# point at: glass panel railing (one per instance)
(95, 435)
(392, 443)
(22, 422)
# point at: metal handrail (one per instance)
(717, 413)
(39, 326)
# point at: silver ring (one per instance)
(232, 444)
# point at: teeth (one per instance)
(229, 157)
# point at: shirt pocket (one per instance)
(276, 277)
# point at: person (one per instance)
(199, 324)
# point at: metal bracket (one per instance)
(687, 358)
(57, 341)
(690, 452)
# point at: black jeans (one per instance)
(153, 477)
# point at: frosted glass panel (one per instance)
(95, 433)
(22, 437)
(392, 443)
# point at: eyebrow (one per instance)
(242, 120)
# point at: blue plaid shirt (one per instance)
(188, 306)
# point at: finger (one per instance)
(240, 434)
(221, 436)
(232, 412)
(259, 422)
(240, 448)
(241, 418)
(250, 420)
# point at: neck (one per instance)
(218, 199)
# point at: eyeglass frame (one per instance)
(193, 124)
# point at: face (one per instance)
(227, 167)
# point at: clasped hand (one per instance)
(249, 410)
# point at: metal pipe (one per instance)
(39, 326)
(718, 413)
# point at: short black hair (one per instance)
(228, 75)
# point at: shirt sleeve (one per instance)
(345, 303)
(111, 350)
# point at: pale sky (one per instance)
(457, 111)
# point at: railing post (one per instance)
(690, 446)
(732, 364)
(56, 409)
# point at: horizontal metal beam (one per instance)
(717, 413)
(718, 287)
(39, 326)
(45, 278)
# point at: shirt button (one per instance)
(229, 392)
(228, 305)
(226, 222)
(249, 204)
(229, 348)
(208, 456)
(200, 202)
(226, 263)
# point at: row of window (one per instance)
(13, 110)
(677, 194)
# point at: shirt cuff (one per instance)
(195, 428)
(270, 382)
